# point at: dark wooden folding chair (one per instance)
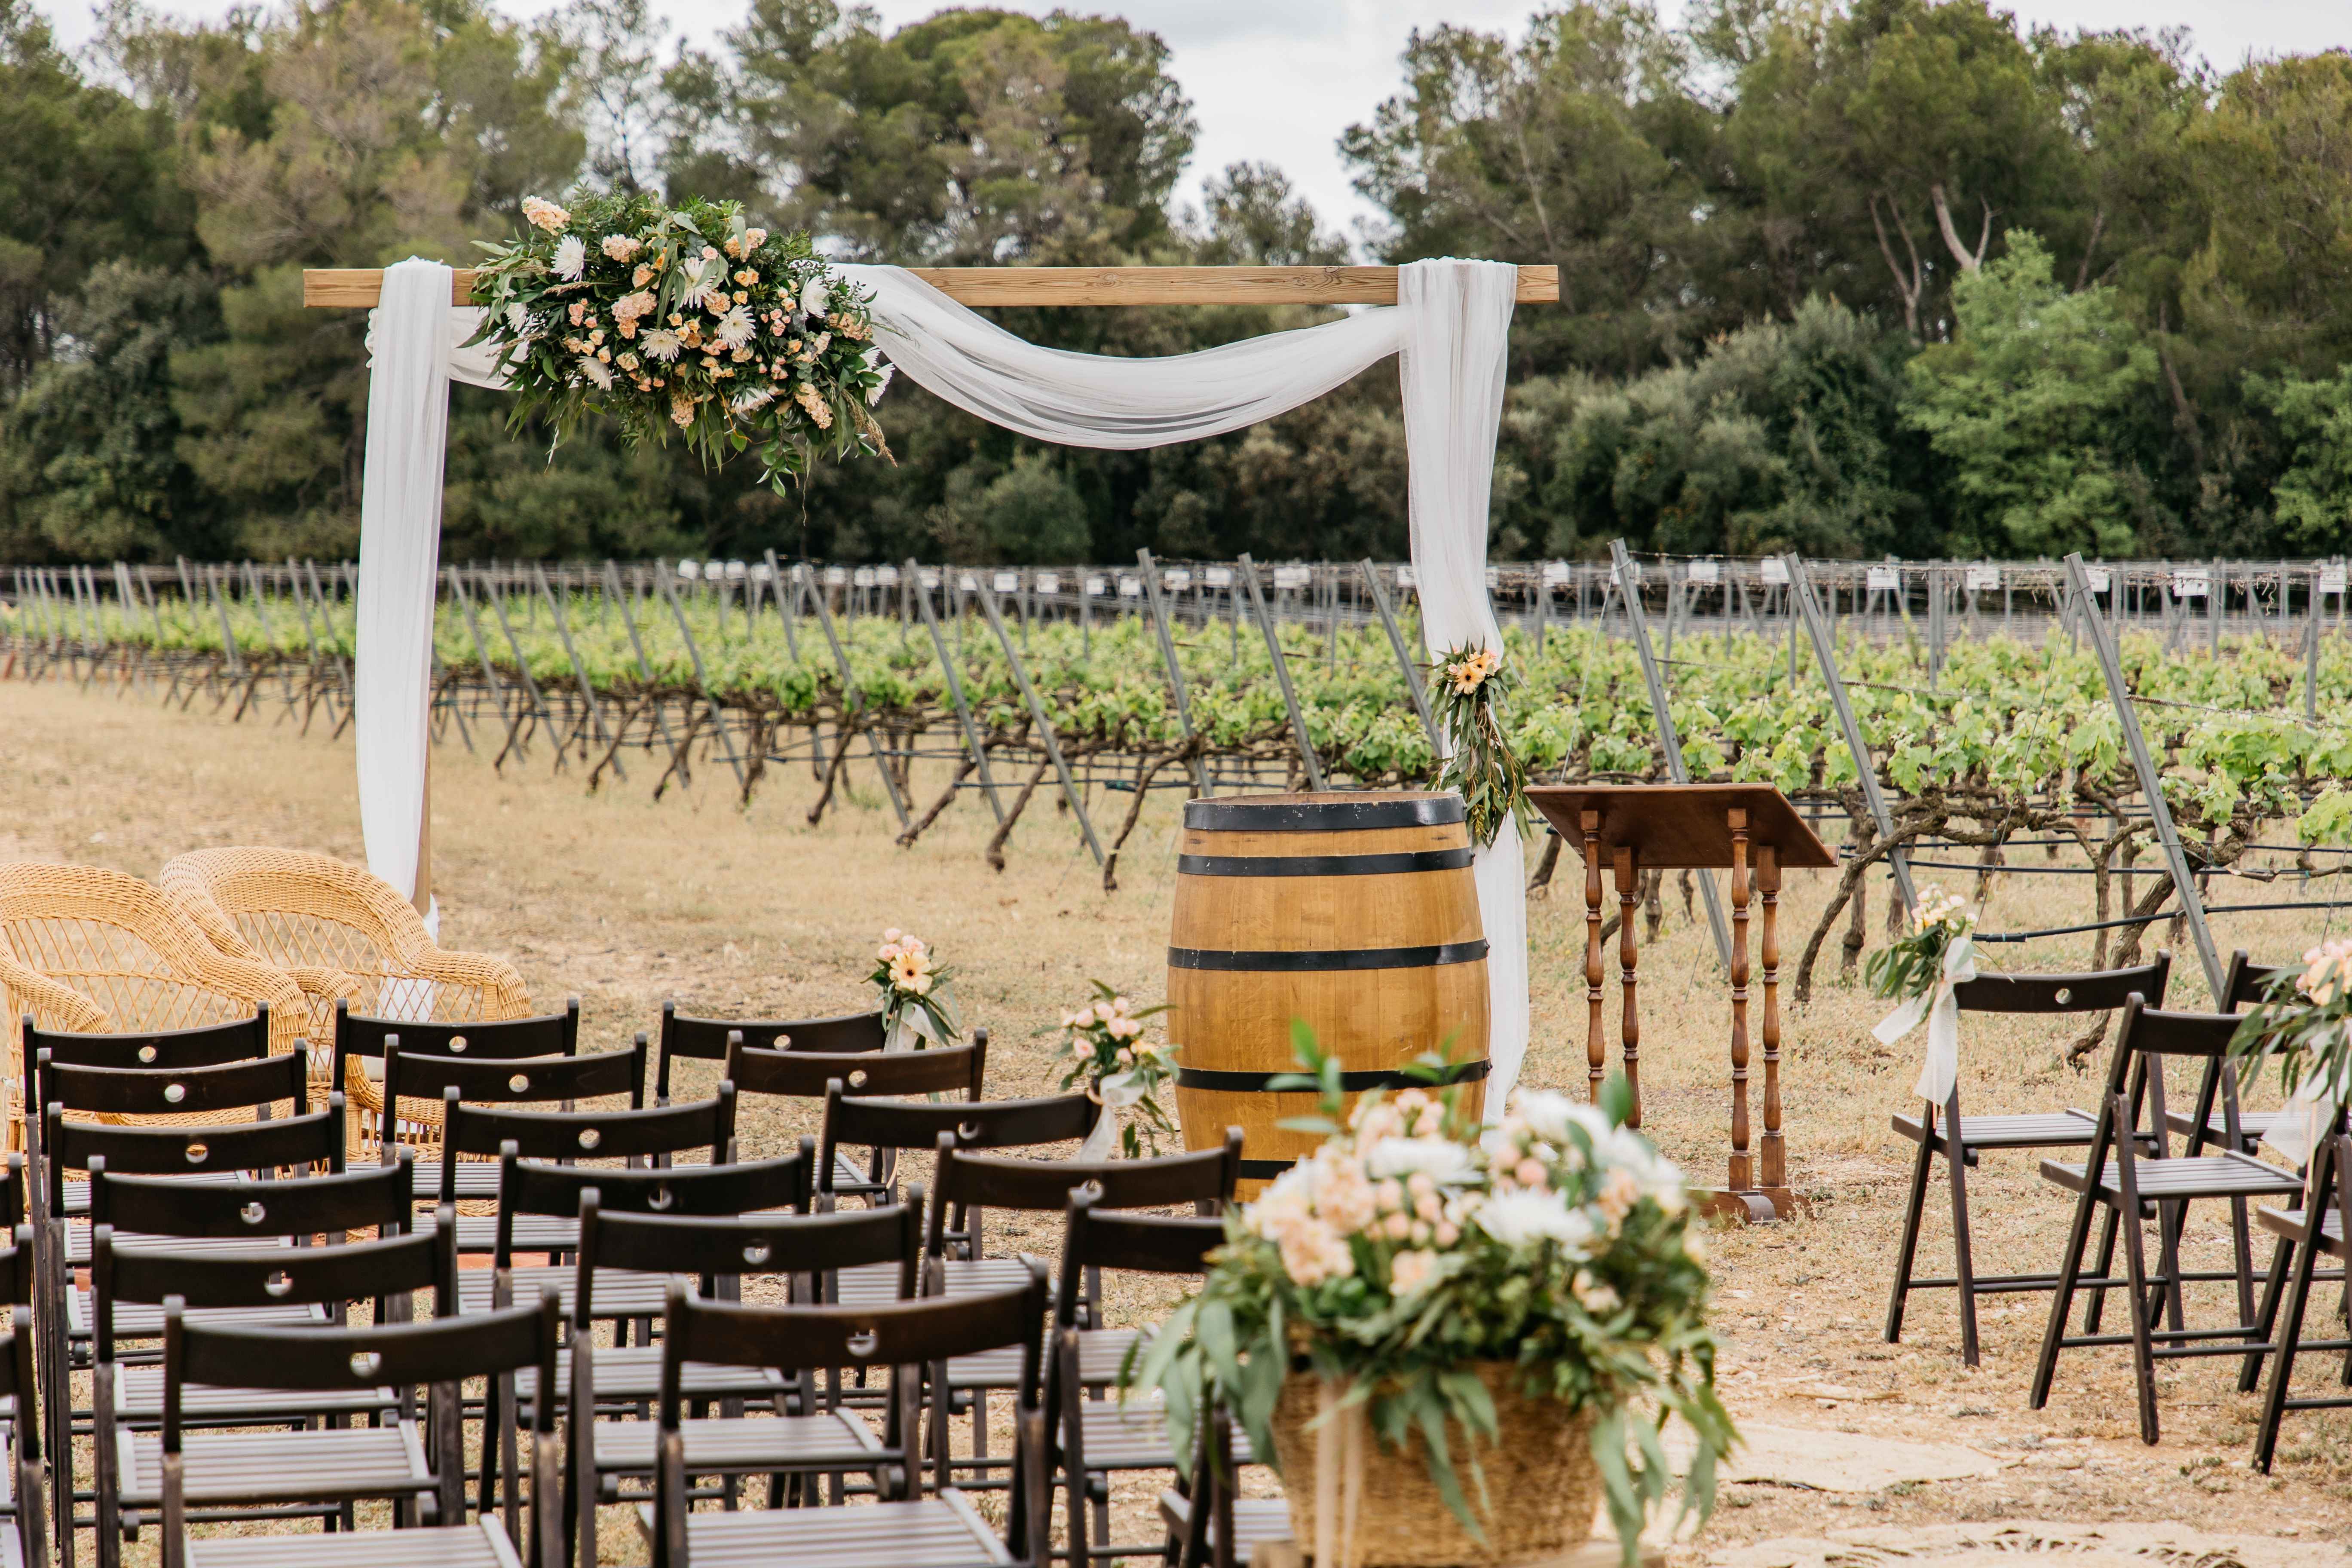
(971, 1183)
(810, 1434)
(686, 1037)
(23, 1517)
(2100, 992)
(1095, 1437)
(1209, 1526)
(213, 1044)
(2318, 1230)
(23, 1485)
(803, 1075)
(325, 1365)
(262, 1471)
(2243, 984)
(2119, 1178)
(906, 1529)
(361, 1039)
(864, 1122)
(236, 1217)
(560, 1081)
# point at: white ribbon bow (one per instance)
(1941, 1069)
(1115, 1094)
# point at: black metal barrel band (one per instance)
(1456, 859)
(1246, 816)
(1311, 960)
(1225, 1082)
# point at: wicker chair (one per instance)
(92, 950)
(342, 932)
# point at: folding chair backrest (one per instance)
(388, 1272)
(244, 1086)
(2098, 991)
(19, 1379)
(705, 1039)
(550, 1035)
(239, 1040)
(14, 1192)
(535, 1188)
(293, 1143)
(989, 1125)
(1202, 1179)
(512, 1081)
(951, 1069)
(899, 1334)
(720, 1246)
(2246, 982)
(374, 1198)
(2147, 1037)
(18, 1271)
(1095, 1237)
(485, 1130)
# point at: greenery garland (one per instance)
(683, 318)
(1480, 763)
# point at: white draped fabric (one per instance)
(1451, 328)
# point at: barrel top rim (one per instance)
(1325, 811)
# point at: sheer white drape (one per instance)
(1451, 326)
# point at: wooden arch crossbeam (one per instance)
(361, 287)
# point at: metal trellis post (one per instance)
(1175, 672)
(972, 737)
(1038, 713)
(1282, 676)
(1800, 589)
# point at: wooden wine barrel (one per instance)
(1353, 911)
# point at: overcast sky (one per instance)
(1279, 80)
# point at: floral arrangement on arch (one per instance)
(683, 318)
(1910, 966)
(1410, 1251)
(918, 992)
(1479, 763)
(1103, 1042)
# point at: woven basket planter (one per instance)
(1540, 1477)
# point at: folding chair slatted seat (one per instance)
(690, 1038)
(2100, 992)
(560, 1081)
(360, 1046)
(806, 1432)
(905, 1530)
(2245, 983)
(2116, 1177)
(1098, 1437)
(323, 1365)
(2318, 1230)
(247, 1474)
(803, 1074)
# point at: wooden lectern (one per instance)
(1750, 829)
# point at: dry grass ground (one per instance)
(626, 903)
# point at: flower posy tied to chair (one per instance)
(1935, 954)
(683, 318)
(2306, 1023)
(1477, 1300)
(917, 993)
(1103, 1042)
(1480, 764)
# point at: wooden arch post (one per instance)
(361, 288)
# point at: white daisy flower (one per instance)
(663, 344)
(812, 295)
(570, 257)
(598, 373)
(736, 327)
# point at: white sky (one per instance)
(1279, 80)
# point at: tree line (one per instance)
(1842, 278)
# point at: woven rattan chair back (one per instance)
(91, 950)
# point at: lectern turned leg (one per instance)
(1743, 1174)
(1628, 894)
(1596, 1050)
(1767, 883)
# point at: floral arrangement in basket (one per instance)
(1103, 1043)
(918, 992)
(1936, 952)
(1440, 1287)
(682, 318)
(1480, 764)
(2306, 1022)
